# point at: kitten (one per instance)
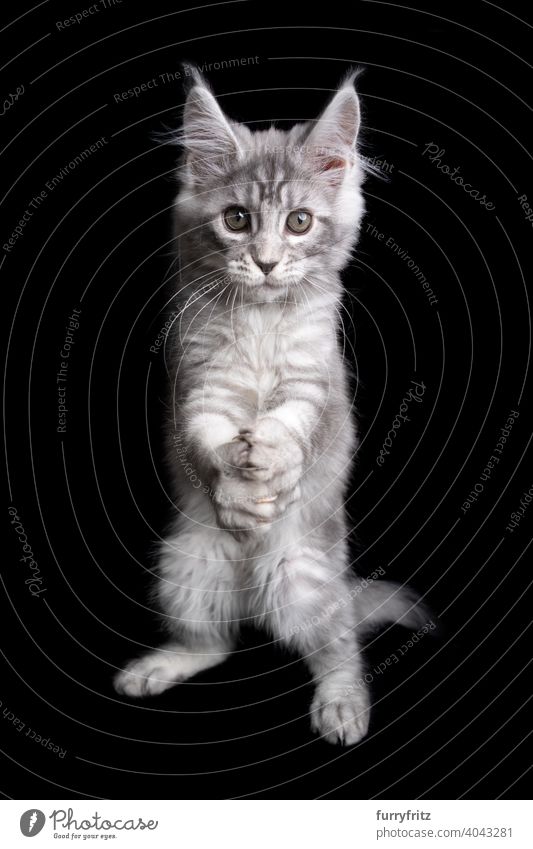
(261, 437)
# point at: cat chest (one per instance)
(260, 358)
(271, 353)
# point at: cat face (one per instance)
(271, 211)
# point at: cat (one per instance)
(261, 436)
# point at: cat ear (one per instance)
(331, 142)
(206, 135)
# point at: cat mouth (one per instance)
(273, 283)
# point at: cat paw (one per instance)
(232, 456)
(340, 719)
(243, 505)
(258, 477)
(272, 455)
(147, 676)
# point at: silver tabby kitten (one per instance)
(261, 437)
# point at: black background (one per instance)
(451, 718)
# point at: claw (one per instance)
(265, 499)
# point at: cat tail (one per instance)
(384, 602)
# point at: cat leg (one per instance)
(156, 671)
(308, 605)
(340, 710)
(199, 595)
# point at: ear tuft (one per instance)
(331, 141)
(206, 136)
(194, 76)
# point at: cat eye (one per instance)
(299, 221)
(237, 218)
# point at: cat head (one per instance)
(269, 210)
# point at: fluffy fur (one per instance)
(261, 437)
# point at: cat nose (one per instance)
(266, 267)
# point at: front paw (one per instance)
(339, 717)
(271, 455)
(244, 505)
(230, 458)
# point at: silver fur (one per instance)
(262, 438)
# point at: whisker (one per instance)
(231, 315)
(196, 297)
(343, 306)
(219, 282)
